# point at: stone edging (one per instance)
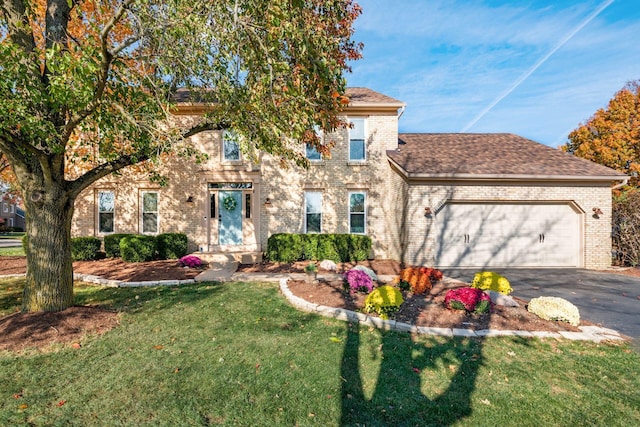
(590, 333)
(115, 283)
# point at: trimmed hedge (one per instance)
(285, 247)
(85, 248)
(112, 244)
(172, 245)
(138, 248)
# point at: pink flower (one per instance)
(358, 281)
(468, 298)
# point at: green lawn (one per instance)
(237, 354)
(12, 251)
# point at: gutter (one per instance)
(506, 177)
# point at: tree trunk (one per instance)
(49, 281)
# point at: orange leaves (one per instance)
(610, 136)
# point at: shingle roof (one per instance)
(468, 155)
(356, 95)
(363, 95)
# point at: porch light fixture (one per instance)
(189, 201)
(427, 211)
(267, 202)
(597, 212)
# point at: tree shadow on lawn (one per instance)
(398, 397)
(134, 298)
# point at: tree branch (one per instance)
(18, 23)
(105, 65)
(100, 171)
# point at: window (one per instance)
(247, 205)
(10, 222)
(12, 208)
(313, 212)
(230, 147)
(5, 207)
(149, 212)
(357, 150)
(357, 213)
(312, 153)
(106, 202)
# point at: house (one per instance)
(473, 200)
(11, 215)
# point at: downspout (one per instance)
(402, 111)
(622, 184)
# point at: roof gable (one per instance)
(490, 155)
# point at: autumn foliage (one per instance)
(611, 137)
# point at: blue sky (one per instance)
(534, 68)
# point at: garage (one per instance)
(485, 234)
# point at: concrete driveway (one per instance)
(611, 300)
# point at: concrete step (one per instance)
(219, 259)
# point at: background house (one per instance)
(432, 199)
(11, 216)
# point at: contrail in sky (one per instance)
(537, 65)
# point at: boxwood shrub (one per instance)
(85, 248)
(172, 245)
(283, 247)
(112, 244)
(138, 248)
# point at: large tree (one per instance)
(87, 88)
(611, 137)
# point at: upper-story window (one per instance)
(5, 206)
(357, 137)
(230, 146)
(311, 152)
(150, 214)
(106, 204)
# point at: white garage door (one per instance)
(507, 235)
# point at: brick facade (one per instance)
(395, 217)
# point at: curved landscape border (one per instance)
(587, 333)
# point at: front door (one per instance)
(230, 217)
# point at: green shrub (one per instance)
(283, 247)
(112, 244)
(138, 248)
(488, 280)
(360, 247)
(172, 245)
(384, 300)
(327, 247)
(554, 308)
(85, 248)
(309, 248)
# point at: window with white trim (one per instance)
(357, 212)
(150, 217)
(12, 208)
(357, 137)
(230, 147)
(10, 222)
(106, 205)
(311, 152)
(5, 206)
(313, 212)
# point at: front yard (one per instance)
(238, 354)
